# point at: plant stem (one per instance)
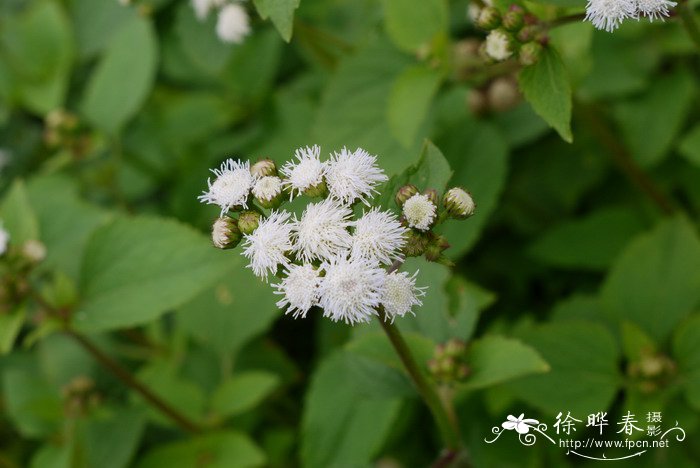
(447, 425)
(685, 13)
(561, 21)
(129, 380)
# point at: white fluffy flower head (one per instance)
(322, 232)
(267, 246)
(267, 188)
(378, 237)
(231, 187)
(419, 212)
(498, 45)
(401, 294)
(353, 176)
(233, 24)
(4, 240)
(351, 290)
(655, 9)
(306, 172)
(609, 14)
(299, 289)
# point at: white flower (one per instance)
(233, 24)
(231, 187)
(4, 240)
(419, 212)
(401, 294)
(267, 188)
(498, 45)
(34, 250)
(299, 288)
(267, 246)
(352, 176)
(322, 232)
(307, 172)
(473, 11)
(203, 7)
(609, 14)
(459, 202)
(378, 237)
(351, 290)
(655, 9)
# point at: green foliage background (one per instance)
(577, 278)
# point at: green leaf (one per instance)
(466, 301)
(110, 439)
(479, 157)
(413, 23)
(650, 124)
(95, 22)
(358, 426)
(199, 41)
(228, 449)
(32, 405)
(409, 100)
(583, 379)
(546, 87)
(353, 110)
(656, 280)
(17, 215)
(495, 359)
(281, 12)
(10, 326)
(376, 346)
(686, 350)
(243, 392)
(592, 242)
(123, 79)
(136, 269)
(690, 146)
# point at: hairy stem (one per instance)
(129, 380)
(687, 16)
(447, 425)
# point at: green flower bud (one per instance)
(530, 53)
(264, 168)
(318, 190)
(433, 196)
(248, 222)
(225, 233)
(526, 34)
(455, 348)
(404, 193)
(416, 243)
(463, 372)
(459, 203)
(489, 18)
(268, 191)
(513, 20)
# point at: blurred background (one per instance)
(127, 340)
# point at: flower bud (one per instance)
(503, 94)
(248, 222)
(404, 193)
(513, 20)
(477, 102)
(433, 196)
(34, 251)
(459, 203)
(416, 243)
(433, 253)
(530, 53)
(455, 348)
(498, 45)
(225, 233)
(318, 190)
(463, 372)
(489, 18)
(264, 168)
(526, 34)
(268, 191)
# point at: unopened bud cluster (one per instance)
(17, 260)
(422, 211)
(63, 129)
(498, 95)
(652, 371)
(515, 33)
(449, 363)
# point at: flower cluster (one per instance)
(232, 24)
(331, 256)
(609, 14)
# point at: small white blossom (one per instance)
(353, 176)
(378, 237)
(473, 11)
(267, 188)
(306, 172)
(299, 289)
(4, 240)
(609, 14)
(401, 294)
(498, 45)
(202, 7)
(351, 290)
(322, 232)
(34, 250)
(419, 212)
(655, 9)
(231, 187)
(267, 246)
(459, 202)
(233, 24)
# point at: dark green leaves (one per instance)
(124, 76)
(413, 23)
(409, 100)
(281, 12)
(546, 87)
